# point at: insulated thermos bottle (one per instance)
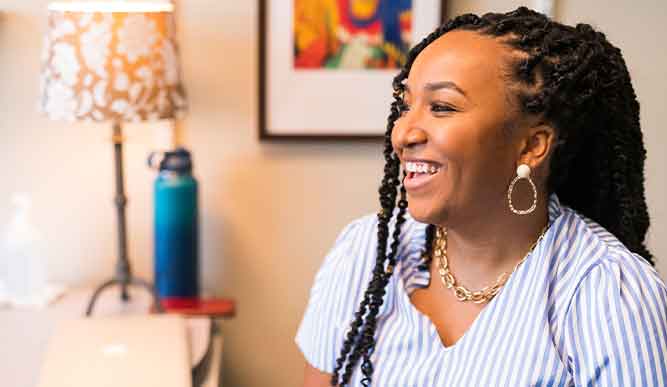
(176, 241)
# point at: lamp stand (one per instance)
(123, 276)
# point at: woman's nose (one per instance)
(407, 133)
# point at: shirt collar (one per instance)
(554, 207)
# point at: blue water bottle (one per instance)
(176, 259)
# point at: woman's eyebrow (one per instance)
(444, 85)
(433, 86)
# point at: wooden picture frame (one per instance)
(294, 103)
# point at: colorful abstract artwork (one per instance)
(351, 34)
(326, 67)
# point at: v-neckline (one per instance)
(433, 331)
(554, 212)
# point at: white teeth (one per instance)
(421, 167)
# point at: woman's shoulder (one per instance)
(341, 281)
(605, 303)
(586, 245)
(616, 314)
(595, 264)
(361, 236)
(357, 243)
(348, 267)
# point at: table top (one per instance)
(25, 332)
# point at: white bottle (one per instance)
(25, 265)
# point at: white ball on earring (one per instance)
(523, 171)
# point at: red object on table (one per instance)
(213, 307)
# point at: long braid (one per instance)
(426, 256)
(387, 193)
(579, 82)
(388, 201)
(367, 339)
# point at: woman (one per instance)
(522, 161)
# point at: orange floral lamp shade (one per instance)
(111, 62)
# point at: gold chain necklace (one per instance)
(463, 294)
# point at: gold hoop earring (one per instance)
(522, 172)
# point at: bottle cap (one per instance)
(178, 160)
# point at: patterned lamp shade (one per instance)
(111, 62)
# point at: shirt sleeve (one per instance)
(616, 329)
(334, 295)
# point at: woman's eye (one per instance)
(435, 108)
(441, 108)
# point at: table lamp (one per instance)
(112, 62)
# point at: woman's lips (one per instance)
(417, 181)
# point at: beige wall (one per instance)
(269, 211)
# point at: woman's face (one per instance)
(454, 126)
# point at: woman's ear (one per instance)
(537, 144)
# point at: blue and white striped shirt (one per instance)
(581, 310)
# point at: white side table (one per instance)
(25, 333)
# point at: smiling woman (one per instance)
(442, 124)
(522, 191)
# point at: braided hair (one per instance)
(580, 84)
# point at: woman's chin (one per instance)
(424, 215)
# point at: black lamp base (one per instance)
(123, 276)
(125, 297)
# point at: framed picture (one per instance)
(325, 66)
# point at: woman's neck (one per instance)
(485, 246)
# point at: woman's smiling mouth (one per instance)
(419, 173)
